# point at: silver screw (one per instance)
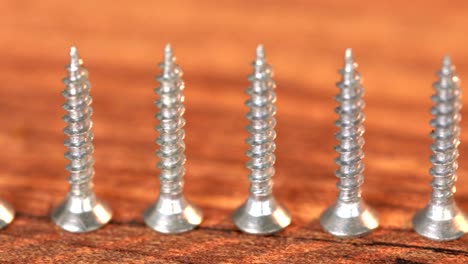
(81, 211)
(349, 216)
(261, 214)
(171, 213)
(442, 219)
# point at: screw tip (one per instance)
(73, 50)
(349, 64)
(260, 51)
(74, 57)
(446, 61)
(348, 54)
(168, 48)
(168, 55)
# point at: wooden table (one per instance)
(399, 45)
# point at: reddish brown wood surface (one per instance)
(398, 44)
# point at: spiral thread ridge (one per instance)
(445, 133)
(78, 129)
(261, 114)
(350, 134)
(170, 127)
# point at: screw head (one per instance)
(172, 215)
(348, 220)
(441, 222)
(7, 213)
(261, 216)
(81, 214)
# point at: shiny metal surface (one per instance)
(81, 211)
(81, 214)
(7, 213)
(441, 219)
(171, 213)
(261, 213)
(348, 220)
(349, 216)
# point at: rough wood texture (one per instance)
(398, 44)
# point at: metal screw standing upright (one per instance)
(81, 211)
(349, 216)
(261, 214)
(171, 213)
(442, 219)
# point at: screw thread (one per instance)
(261, 127)
(350, 134)
(78, 129)
(445, 133)
(170, 127)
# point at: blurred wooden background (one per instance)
(398, 44)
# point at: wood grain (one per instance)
(398, 44)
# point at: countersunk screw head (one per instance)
(81, 214)
(172, 215)
(349, 220)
